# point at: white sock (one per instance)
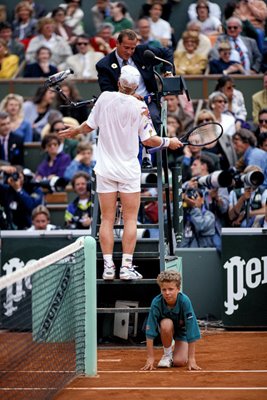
(167, 351)
(108, 260)
(127, 260)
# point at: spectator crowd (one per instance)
(224, 185)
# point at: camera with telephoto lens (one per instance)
(251, 179)
(216, 179)
(55, 184)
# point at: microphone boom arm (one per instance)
(70, 103)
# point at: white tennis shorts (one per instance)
(106, 185)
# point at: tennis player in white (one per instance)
(121, 120)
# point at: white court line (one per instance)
(37, 372)
(157, 371)
(109, 360)
(238, 371)
(26, 389)
(252, 371)
(138, 388)
(165, 388)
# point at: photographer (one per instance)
(247, 203)
(190, 154)
(245, 144)
(199, 228)
(78, 213)
(213, 185)
(18, 200)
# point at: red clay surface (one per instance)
(234, 367)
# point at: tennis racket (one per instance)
(199, 136)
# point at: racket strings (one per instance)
(205, 134)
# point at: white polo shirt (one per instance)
(121, 120)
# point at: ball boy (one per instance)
(172, 316)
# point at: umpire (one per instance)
(128, 52)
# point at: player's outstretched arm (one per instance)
(71, 131)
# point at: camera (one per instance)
(216, 179)
(14, 176)
(251, 179)
(192, 193)
(55, 184)
(148, 178)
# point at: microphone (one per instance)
(58, 77)
(176, 85)
(150, 56)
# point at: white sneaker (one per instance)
(109, 273)
(166, 361)
(129, 273)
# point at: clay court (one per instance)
(234, 367)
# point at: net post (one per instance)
(90, 357)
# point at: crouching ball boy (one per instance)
(172, 316)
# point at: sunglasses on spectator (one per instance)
(263, 121)
(82, 44)
(232, 27)
(201, 121)
(220, 101)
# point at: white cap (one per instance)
(129, 77)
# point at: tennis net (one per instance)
(50, 336)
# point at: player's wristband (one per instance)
(165, 142)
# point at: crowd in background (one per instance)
(223, 186)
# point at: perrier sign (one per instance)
(244, 269)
